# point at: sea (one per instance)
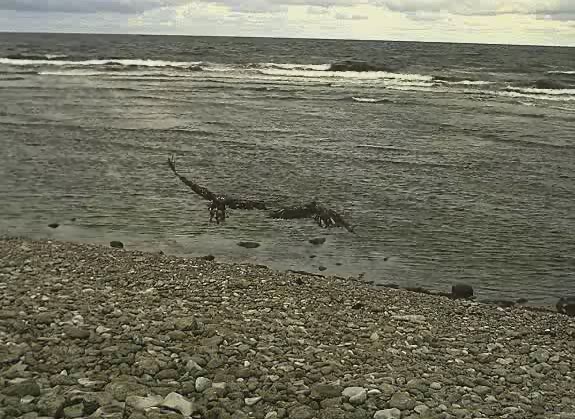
(455, 162)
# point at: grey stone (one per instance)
(356, 395)
(302, 412)
(202, 384)
(24, 388)
(143, 403)
(121, 388)
(51, 405)
(74, 411)
(76, 332)
(402, 401)
(540, 355)
(332, 413)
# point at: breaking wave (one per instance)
(368, 100)
(94, 63)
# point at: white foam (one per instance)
(360, 75)
(533, 90)
(561, 72)
(367, 99)
(514, 94)
(472, 82)
(304, 67)
(139, 63)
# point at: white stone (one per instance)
(412, 318)
(101, 329)
(422, 409)
(250, 401)
(356, 395)
(192, 365)
(374, 336)
(143, 403)
(202, 384)
(219, 386)
(272, 415)
(435, 386)
(388, 414)
(180, 403)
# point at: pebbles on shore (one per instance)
(88, 331)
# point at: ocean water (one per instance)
(456, 163)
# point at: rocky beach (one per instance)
(91, 331)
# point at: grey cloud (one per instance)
(553, 8)
(345, 16)
(90, 6)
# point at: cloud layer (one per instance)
(507, 21)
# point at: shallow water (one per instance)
(454, 164)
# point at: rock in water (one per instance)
(249, 245)
(317, 240)
(566, 305)
(54, 225)
(116, 244)
(462, 291)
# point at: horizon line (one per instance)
(285, 38)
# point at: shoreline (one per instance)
(90, 331)
(521, 303)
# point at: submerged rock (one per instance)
(249, 245)
(53, 225)
(461, 291)
(317, 240)
(357, 65)
(116, 244)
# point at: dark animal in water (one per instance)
(323, 216)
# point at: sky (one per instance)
(533, 22)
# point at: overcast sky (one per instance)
(547, 22)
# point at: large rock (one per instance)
(402, 401)
(143, 403)
(461, 291)
(122, 388)
(302, 412)
(325, 391)
(24, 388)
(388, 414)
(249, 245)
(566, 305)
(178, 402)
(356, 395)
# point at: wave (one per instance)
(526, 95)
(540, 91)
(279, 66)
(358, 66)
(550, 84)
(570, 72)
(368, 100)
(105, 62)
(36, 57)
(373, 75)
